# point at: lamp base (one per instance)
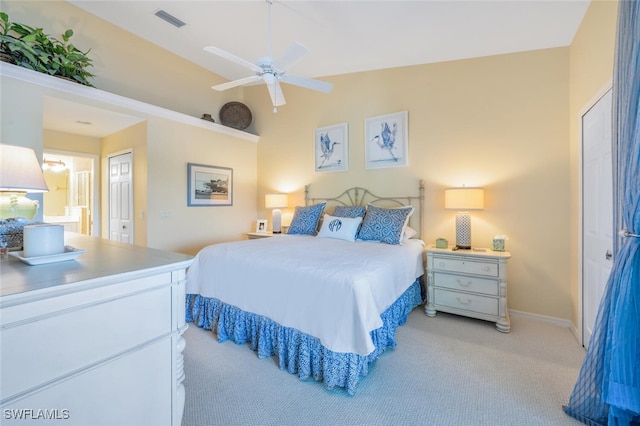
(463, 231)
(16, 204)
(276, 220)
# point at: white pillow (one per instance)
(343, 228)
(408, 232)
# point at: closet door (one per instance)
(597, 209)
(121, 198)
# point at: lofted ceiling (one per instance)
(345, 36)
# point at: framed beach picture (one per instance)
(209, 185)
(331, 147)
(387, 141)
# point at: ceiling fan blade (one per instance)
(275, 91)
(233, 58)
(235, 83)
(291, 57)
(308, 83)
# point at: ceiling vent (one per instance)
(169, 18)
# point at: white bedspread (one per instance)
(331, 289)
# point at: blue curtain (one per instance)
(607, 391)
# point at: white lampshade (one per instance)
(463, 199)
(20, 170)
(20, 173)
(276, 202)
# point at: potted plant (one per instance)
(12, 46)
(32, 48)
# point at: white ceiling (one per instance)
(346, 36)
(79, 119)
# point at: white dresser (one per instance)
(470, 283)
(96, 340)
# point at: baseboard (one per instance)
(560, 322)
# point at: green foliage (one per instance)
(32, 48)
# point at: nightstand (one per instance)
(256, 235)
(470, 283)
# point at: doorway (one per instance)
(597, 209)
(72, 198)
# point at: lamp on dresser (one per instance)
(463, 199)
(276, 202)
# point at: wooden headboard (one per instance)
(357, 196)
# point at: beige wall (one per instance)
(134, 140)
(591, 73)
(63, 141)
(125, 64)
(507, 123)
(498, 122)
(56, 199)
(171, 147)
(131, 67)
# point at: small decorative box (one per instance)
(11, 232)
(442, 243)
(498, 243)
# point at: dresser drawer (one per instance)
(467, 302)
(464, 266)
(466, 283)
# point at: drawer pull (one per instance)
(463, 284)
(465, 302)
(441, 264)
(487, 269)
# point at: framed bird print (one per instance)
(386, 140)
(331, 147)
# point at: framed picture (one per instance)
(387, 141)
(209, 185)
(331, 147)
(261, 226)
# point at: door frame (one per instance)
(588, 106)
(108, 192)
(95, 188)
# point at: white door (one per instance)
(121, 198)
(597, 209)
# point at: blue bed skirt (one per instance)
(297, 352)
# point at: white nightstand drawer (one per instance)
(489, 269)
(466, 283)
(465, 301)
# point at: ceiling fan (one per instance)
(272, 71)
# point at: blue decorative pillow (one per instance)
(342, 228)
(349, 211)
(384, 225)
(305, 219)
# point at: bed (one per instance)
(324, 303)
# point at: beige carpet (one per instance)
(447, 370)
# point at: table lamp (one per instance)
(20, 173)
(462, 200)
(276, 202)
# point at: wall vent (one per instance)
(169, 18)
